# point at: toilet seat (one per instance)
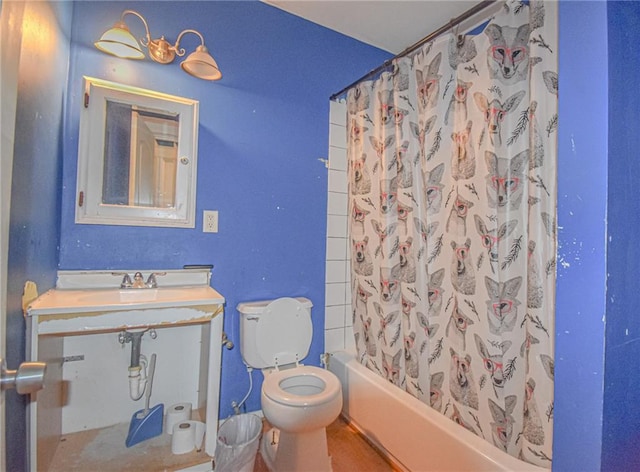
(274, 386)
(284, 333)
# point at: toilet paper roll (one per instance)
(177, 414)
(187, 436)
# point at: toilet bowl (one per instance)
(301, 399)
(298, 401)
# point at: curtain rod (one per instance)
(455, 21)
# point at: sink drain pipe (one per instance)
(138, 364)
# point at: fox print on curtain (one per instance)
(452, 200)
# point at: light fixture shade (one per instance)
(200, 64)
(119, 42)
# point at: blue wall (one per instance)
(263, 128)
(582, 213)
(621, 427)
(35, 190)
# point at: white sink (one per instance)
(144, 294)
(102, 300)
(109, 297)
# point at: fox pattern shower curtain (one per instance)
(452, 200)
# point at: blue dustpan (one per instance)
(147, 426)
(147, 423)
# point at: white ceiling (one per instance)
(392, 25)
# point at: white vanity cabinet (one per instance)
(81, 310)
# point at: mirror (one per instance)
(137, 157)
(140, 156)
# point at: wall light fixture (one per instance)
(119, 41)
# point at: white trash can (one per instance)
(237, 443)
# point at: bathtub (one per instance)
(412, 435)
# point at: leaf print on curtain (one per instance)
(452, 199)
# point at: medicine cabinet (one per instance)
(137, 157)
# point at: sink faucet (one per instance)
(138, 280)
(126, 280)
(151, 281)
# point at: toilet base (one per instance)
(300, 452)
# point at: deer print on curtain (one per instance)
(452, 194)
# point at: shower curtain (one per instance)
(452, 200)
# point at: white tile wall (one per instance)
(337, 226)
(338, 332)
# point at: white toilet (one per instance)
(299, 401)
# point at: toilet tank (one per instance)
(275, 329)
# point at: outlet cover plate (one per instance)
(210, 221)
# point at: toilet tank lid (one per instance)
(256, 308)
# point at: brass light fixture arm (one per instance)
(176, 47)
(160, 50)
(145, 41)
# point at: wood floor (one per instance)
(103, 450)
(349, 451)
